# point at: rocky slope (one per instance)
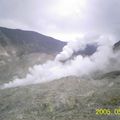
(20, 50)
(65, 99)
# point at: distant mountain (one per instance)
(89, 50)
(29, 42)
(20, 50)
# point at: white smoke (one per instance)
(77, 66)
(75, 46)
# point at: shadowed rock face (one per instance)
(116, 46)
(89, 50)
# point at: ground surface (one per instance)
(65, 99)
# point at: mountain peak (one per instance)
(116, 46)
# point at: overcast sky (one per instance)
(62, 19)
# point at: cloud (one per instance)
(64, 17)
(13, 24)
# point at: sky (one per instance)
(62, 19)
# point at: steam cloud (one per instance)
(77, 66)
(100, 16)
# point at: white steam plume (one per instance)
(78, 66)
(75, 46)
